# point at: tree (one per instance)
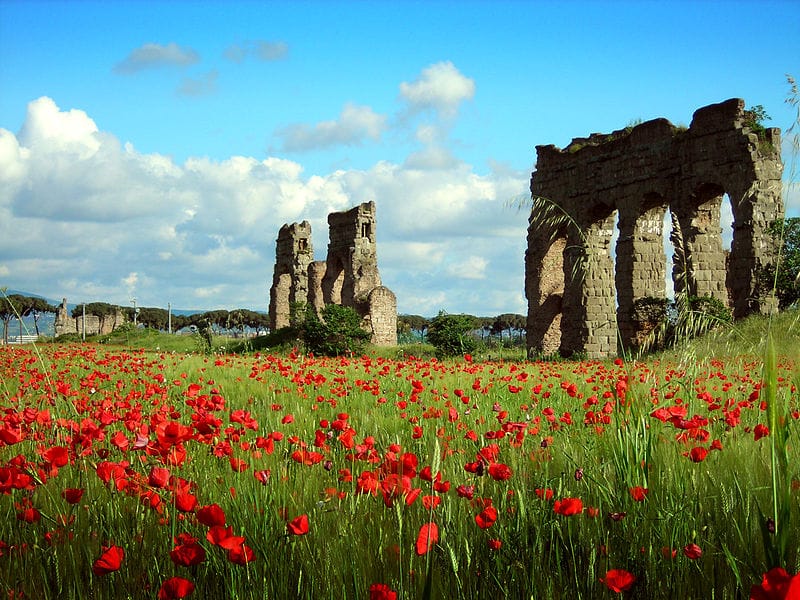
(154, 318)
(336, 331)
(451, 334)
(507, 322)
(17, 306)
(408, 323)
(785, 279)
(35, 307)
(10, 307)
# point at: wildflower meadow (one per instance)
(129, 473)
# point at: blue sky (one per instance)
(152, 150)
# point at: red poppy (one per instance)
(159, 477)
(298, 525)
(760, 431)
(187, 551)
(486, 517)
(544, 494)
(211, 515)
(618, 580)
(692, 551)
(499, 472)
(72, 495)
(568, 506)
(495, 544)
(109, 561)
(174, 588)
(381, 591)
(777, 584)
(184, 501)
(427, 537)
(241, 554)
(698, 454)
(639, 493)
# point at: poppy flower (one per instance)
(381, 591)
(241, 554)
(427, 537)
(638, 493)
(698, 454)
(692, 551)
(776, 584)
(175, 588)
(495, 544)
(499, 472)
(298, 525)
(568, 506)
(486, 517)
(187, 552)
(110, 560)
(159, 477)
(211, 515)
(72, 495)
(618, 580)
(760, 431)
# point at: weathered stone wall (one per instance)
(66, 323)
(637, 174)
(349, 276)
(294, 253)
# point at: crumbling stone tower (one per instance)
(580, 296)
(349, 276)
(294, 253)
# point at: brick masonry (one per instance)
(349, 276)
(579, 299)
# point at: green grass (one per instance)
(721, 504)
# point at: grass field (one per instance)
(129, 469)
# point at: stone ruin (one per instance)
(95, 325)
(349, 276)
(580, 300)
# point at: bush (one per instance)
(451, 335)
(335, 332)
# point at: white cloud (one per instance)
(355, 123)
(440, 87)
(203, 86)
(156, 55)
(263, 50)
(87, 217)
(472, 267)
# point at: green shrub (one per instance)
(336, 331)
(451, 335)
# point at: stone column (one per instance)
(544, 289)
(640, 268)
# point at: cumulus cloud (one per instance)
(203, 86)
(101, 218)
(262, 50)
(156, 55)
(472, 267)
(355, 123)
(440, 87)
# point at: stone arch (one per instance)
(641, 171)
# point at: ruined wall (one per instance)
(66, 323)
(293, 254)
(349, 276)
(577, 296)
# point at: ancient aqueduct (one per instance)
(582, 294)
(579, 300)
